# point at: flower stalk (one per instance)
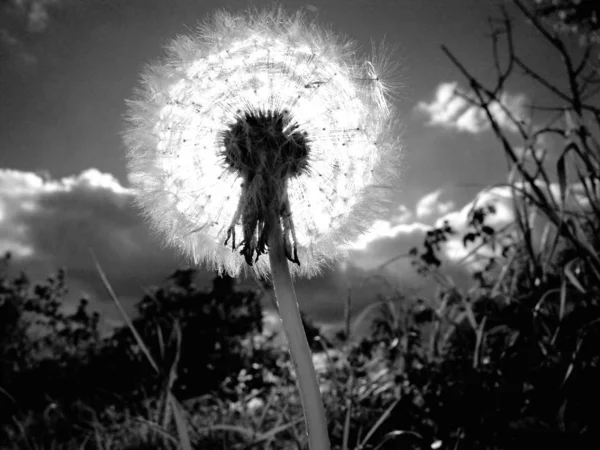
(310, 395)
(262, 143)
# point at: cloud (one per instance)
(48, 224)
(37, 16)
(450, 109)
(35, 12)
(390, 242)
(403, 215)
(509, 105)
(16, 48)
(498, 200)
(19, 19)
(582, 196)
(430, 205)
(530, 153)
(387, 241)
(498, 203)
(397, 224)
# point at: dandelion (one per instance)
(262, 143)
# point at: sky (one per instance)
(67, 66)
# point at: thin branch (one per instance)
(533, 74)
(553, 39)
(584, 61)
(544, 207)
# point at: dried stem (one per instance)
(312, 403)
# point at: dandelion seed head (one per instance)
(261, 112)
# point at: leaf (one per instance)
(563, 299)
(346, 434)
(180, 423)
(377, 424)
(573, 279)
(479, 335)
(469, 237)
(562, 178)
(487, 230)
(124, 315)
(397, 433)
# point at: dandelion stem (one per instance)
(310, 395)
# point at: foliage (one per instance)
(39, 341)
(572, 16)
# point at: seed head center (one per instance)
(265, 148)
(265, 143)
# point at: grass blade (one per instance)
(377, 424)
(180, 423)
(126, 318)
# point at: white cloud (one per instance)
(472, 120)
(499, 206)
(430, 204)
(385, 229)
(530, 153)
(446, 106)
(399, 223)
(499, 203)
(388, 241)
(453, 111)
(509, 104)
(500, 199)
(580, 197)
(403, 215)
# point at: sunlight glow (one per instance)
(267, 79)
(201, 93)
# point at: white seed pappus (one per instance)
(262, 61)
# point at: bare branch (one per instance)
(553, 39)
(541, 199)
(505, 30)
(584, 61)
(537, 77)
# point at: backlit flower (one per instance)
(257, 113)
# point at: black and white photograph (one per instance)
(322, 225)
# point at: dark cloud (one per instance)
(32, 15)
(56, 223)
(49, 224)
(19, 21)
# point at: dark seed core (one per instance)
(266, 142)
(265, 148)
